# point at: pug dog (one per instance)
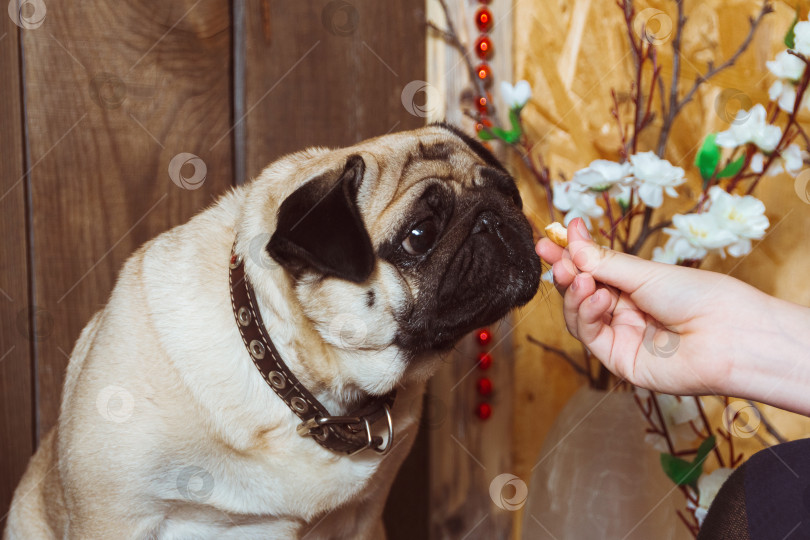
(363, 265)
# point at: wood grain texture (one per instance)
(333, 77)
(114, 91)
(331, 73)
(16, 423)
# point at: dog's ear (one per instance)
(320, 227)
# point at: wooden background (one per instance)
(95, 103)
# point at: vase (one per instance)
(596, 478)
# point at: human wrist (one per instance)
(770, 363)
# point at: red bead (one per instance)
(484, 74)
(483, 336)
(484, 386)
(483, 123)
(482, 103)
(483, 19)
(483, 411)
(483, 47)
(484, 360)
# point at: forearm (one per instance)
(771, 361)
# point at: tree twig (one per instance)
(561, 353)
(676, 104)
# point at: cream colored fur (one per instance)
(168, 431)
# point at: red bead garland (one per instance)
(481, 104)
(484, 336)
(483, 20)
(484, 386)
(484, 360)
(483, 48)
(484, 411)
(484, 73)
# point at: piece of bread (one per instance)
(557, 234)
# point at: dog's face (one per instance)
(408, 241)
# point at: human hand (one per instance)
(662, 327)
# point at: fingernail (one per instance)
(594, 297)
(575, 284)
(583, 230)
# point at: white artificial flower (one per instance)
(516, 96)
(742, 216)
(784, 94)
(654, 176)
(700, 514)
(623, 194)
(791, 157)
(602, 175)
(708, 486)
(576, 201)
(757, 164)
(678, 410)
(751, 127)
(786, 66)
(678, 413)
(665, 254)
(547, 276)
(789, 69)
(694, 235)
(794, 161)
(801, 39)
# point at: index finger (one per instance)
(548, 250)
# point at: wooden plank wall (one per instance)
(112, 92)
(16, 405)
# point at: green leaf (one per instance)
(485, 135)
(500, 133)
(704, 449)
(514, 118)
(790, 37)
(685, 473)
(679, 470)
(732, 168)
(708, 157)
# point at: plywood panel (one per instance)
(114, 91)
(16, 426)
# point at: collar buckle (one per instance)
(316, 427)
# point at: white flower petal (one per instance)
(750, 126)
(792, 155)
(517, 95)
(710, 484)
(786, 66)
(523, 92)
(663, 255)
(740, 248)
(787, 98)
(651, 195)
(757, 163)
(801, 40)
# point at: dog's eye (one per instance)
(421, 238)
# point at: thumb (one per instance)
(625, 272)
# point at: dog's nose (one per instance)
(487, 221)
